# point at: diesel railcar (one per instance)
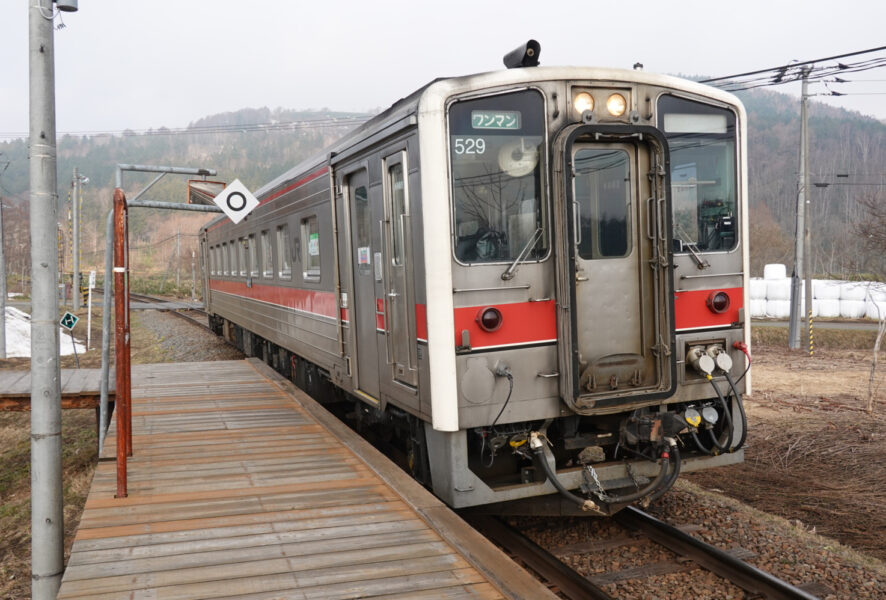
(535, 278)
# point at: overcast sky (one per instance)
(124, 64)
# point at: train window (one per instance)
(224, 261)
(212, 260)
(310, 259)
(241, 256)
(496, 149)
(253, 256)
(283, 257)
(267, 255)
(702, 141)
(602, 191)
(232, 248)
(398, 205)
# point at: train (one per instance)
(533, 281)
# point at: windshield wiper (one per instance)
(509, 272)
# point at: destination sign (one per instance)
(495, 119)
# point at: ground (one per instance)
(814, 456)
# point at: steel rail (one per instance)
(745, 576)
(155, 300)
(568, 581)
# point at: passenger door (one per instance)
(399, 322)
(367, 310)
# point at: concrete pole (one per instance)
(193, 277)
(75, 218)
(2, 287)
(807, 212)
(794, 331)
(47, 528)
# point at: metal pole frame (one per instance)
(117, 242)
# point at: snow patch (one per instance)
(18, 335)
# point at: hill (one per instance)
(256, 144)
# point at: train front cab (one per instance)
(595, 285)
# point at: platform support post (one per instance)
(121, 340)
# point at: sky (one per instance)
(123, 64)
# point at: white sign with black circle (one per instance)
(236, 201)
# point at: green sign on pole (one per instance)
(68, 321)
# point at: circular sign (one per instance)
(240, 200)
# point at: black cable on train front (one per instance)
(538, 449)
(672, 478)
(727, 415)
(741, 412)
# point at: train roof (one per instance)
(439, 89)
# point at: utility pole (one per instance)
(47, 528)
(2, 287)
(801, 238)
(75, 219)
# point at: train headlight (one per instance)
(616, 105)
(582, 102)
(718, 302)
(489, 319)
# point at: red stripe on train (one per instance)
(691, 309)
(522, 323)
(311, 301)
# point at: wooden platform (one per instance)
(243, 487)
(80, 388)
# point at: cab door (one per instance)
(619, 330)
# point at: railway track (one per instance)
(176, 312)
(551, 567)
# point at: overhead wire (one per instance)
(210, 129)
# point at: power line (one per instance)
(798, 64)
(232, 128)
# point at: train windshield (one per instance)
(496, 147)
(702, 142)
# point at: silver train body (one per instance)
(537, 270)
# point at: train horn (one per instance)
(525, 55)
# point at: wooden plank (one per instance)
(261, 535)
(199, 528)
(258, 497)
(310, 570)
(491, 561)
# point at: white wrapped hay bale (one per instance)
(758, 308)
(826, 289)
(757, 288)
(853, 290)
(877, 292)
(852, 309)
(774, 271)
(778, 289)
(875, 310)
(828, 308)
(778, 309)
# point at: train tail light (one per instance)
(719, 302)
(489, 319)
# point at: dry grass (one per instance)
(79, 454)
(814, 455)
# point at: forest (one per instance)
(847, 158)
